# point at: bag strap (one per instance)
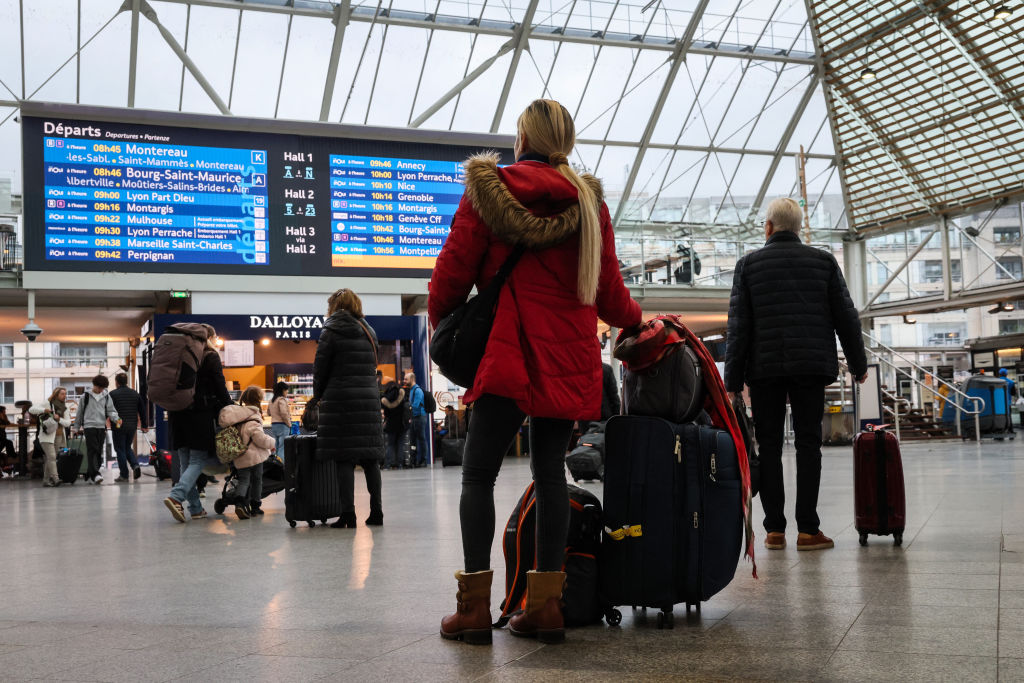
(507, 266)
(369, 336)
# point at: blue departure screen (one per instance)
(140, 197)
(151, 203)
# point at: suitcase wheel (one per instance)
(219, 506)
(311, 524)
(613, 617)
(291, 523)
(897, 538)
(666, 620)
(864, 538)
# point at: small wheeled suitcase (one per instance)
(879, 497)
(311, 486)
(673, 514)
(451, 452)
(69, 461)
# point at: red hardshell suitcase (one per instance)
(879, 497)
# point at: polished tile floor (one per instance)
(100, 584)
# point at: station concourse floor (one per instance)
(100, 584)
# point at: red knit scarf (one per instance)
(651, 341)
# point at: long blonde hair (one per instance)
(548, 130)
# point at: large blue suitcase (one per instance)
(673, 516)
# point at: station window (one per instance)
(931, 271)
(1011, 264)
(1011, 326)
(7, 392)
(1006, 234)
(77, 355)
(943, 334)
(6, 355)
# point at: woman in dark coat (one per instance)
(345, 386)
(193, 430)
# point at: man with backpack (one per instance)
(186, 378)
(130, 408)
(423, 407)
(94, 410)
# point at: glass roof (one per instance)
(939, 128)
(691, 111)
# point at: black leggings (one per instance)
(347, 484)
(492, 428)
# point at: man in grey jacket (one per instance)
(94, 410)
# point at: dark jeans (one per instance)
(347, 484)
(419, 435)
(768, 404)
(494, 425)
(396, 449)
(126, 460)
(95, 441)
(250, 484)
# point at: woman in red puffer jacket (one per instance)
(543, 358)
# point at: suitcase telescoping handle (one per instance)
(883, 482)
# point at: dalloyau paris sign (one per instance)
(287, 326)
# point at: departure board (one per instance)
(128, 197)
(148, 203)
(394, 208)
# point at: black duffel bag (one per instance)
(460, 339)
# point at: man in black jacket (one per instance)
(789, 301)
(129, 406)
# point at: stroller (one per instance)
(273, 481)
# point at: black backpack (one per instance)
(429, 404)
(581, 604)
(672, 388)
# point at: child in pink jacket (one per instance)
(248, 483)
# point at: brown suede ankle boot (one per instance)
(472, 619)
(543, 616)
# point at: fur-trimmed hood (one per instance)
(509, 219)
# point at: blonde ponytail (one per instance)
(549, 131)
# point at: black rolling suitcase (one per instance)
(311, 487)
(451, 452)
(69, 460)
(673, 515)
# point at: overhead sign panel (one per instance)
(141, 198)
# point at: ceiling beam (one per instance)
(341, 17)
(780, 150)
(426, 20)
(460, 86)
(521, 38)
(133, 48)
(887, 149)
(676, 61)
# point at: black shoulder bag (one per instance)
(461, 337)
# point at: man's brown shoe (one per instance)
(818, 541)
(775, 540)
